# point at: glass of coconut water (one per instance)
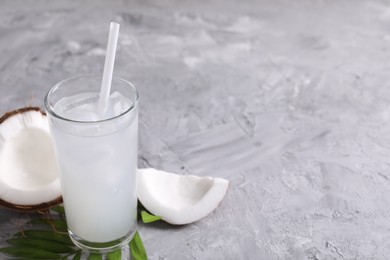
(97, 155)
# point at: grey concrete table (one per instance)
(289, 101)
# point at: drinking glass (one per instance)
(97, 159)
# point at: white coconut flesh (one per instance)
(179, 199)
(28, 168)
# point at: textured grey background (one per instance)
(289, 100)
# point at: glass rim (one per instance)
(57, 85)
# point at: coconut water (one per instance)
(97, 156)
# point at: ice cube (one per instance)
(78, 107)
(118, 103)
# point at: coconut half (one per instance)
(29, 176)
(179, 199)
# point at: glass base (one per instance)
(104, 247)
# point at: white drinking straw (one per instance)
(108, 67)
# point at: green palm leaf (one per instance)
(46, 245)
(46, 235)
(116, 255)
(54, 242)
(149, 218)
(32, 253)
(95, 256)
(137, 248)
(58, 224)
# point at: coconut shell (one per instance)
(34, 207)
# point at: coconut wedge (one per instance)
(29, 178)
(179, 199)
